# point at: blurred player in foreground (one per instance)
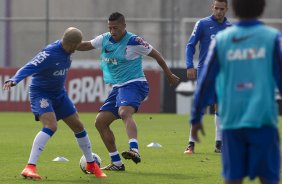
(121, 62)
(204, 31)
(245, 64)
(49, 99)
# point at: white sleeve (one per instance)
(140, 46)
(97, 42)
(142, 50)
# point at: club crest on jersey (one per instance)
(246, 54)
(44, 103)
(39, 58)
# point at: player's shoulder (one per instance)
(53, 47)
(206, 20)
(55, 50)
(269, 29)
(227, 22)
(136, 40)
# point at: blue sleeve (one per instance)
(35, 65)
(206, 86)
(190, 47)
(277, 66)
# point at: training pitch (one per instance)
(165, 165)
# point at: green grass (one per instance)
(166, 165)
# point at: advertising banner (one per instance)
(85, 88)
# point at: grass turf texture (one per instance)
(166, 165)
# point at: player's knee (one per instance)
(124, 115)
(79, 127)
(99, 125)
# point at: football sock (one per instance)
(218, 136)
(38, 145)
(85, 145)
(133, 144)
(190, 136)
(115, 158)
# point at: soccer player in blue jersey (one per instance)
(204, 31)
(49, 99)
(244, 64)
(121, 62)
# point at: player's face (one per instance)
(72, 47)
(117, 29)
(219, 10)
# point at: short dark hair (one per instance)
(248, 8)
(116, 16)
(222, 1)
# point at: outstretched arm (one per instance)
(173, 79)
(35, 65)
(85, 46)
(95, 43)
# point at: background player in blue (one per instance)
(121, 62)
(49, 100)
(204, 31)
(245, 66)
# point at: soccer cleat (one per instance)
(218, 146)
(113, 167)
(29, 172)
(93, 168)
(130, 154)
(190, 148)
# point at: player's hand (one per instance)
(173, 80)
(195, 129)
(191, 73)
(8, 84)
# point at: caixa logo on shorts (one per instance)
(43, 103)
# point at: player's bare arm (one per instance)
(191, 73)
(85, 46)
(173, 79)
(195, 129)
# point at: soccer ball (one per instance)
(82, 162)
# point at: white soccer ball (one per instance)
(82, 162)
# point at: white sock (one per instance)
(38, 145)
(133, 144)
(190, 136)
(218, 135)
(85, 145)
(115, 158)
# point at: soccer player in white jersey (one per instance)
(121, 62)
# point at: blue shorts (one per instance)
(61, 105)
(251, 152)
(131, 94)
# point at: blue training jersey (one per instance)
(48, 69)
(121, 61)
(245, 64)
(204, 31)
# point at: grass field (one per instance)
(166, 165)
